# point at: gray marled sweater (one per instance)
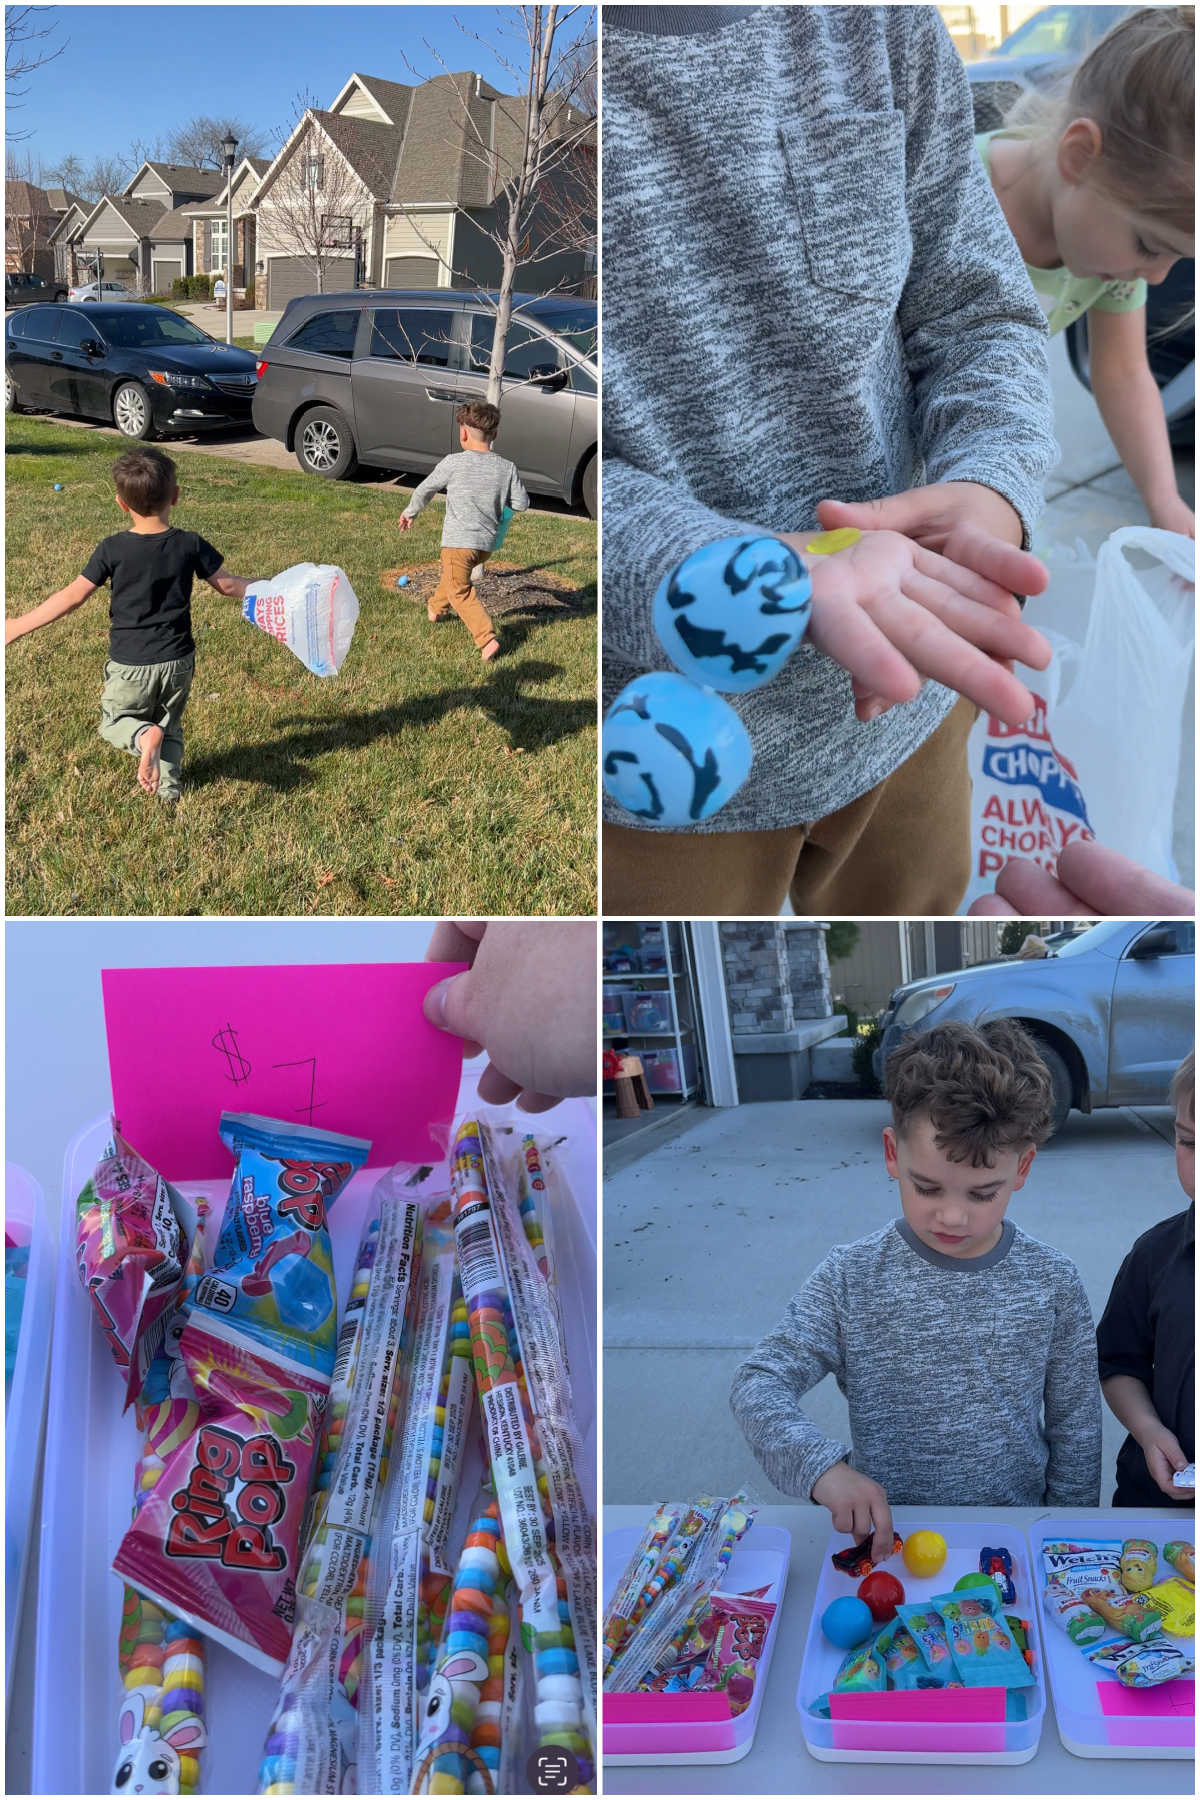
(969, 1382)
(810, 292)
(479, 485)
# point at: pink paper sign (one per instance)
(344, 1046)
(1170, 1700)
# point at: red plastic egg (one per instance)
(882, 1593)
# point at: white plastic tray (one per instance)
(934, 1740)
(25, 1409)
(1158, 1722)
(88, 1484)
(760, 1561)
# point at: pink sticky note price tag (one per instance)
(343, 1046)
(1171, 1700)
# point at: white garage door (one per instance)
(289, 277)
(411, 272)
(165, 272)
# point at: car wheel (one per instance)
(1060, 1081)
(589, 487)
(11, 403)
(131, 411)
(325, 444)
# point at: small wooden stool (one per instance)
(633, 1096)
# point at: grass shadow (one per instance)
(530, 721)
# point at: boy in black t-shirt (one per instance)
(1147, 1337)
(151, 653)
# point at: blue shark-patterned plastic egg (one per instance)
(673, 753)
(732, 613)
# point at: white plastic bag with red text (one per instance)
(1103, 752)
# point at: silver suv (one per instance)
(1113, 1010)
(375, 377)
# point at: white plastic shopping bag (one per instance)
(1102, 753)
(311, 608)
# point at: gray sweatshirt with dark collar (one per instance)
(970, 1381)
(810, 292)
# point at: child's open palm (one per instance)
(894, 615)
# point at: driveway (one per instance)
(707, 1237)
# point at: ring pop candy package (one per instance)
(272, 1273)
(311, 608)
(217, 1541)
(983, 1648)
(133, 1234)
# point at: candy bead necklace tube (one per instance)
(560, 1709)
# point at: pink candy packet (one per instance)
(217, 1541)
(732, 1665)
(133, 1234)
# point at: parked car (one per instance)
(375, 378)
(1113, 1010)
(1046, 44)
(22, 288)
(93, 291)
(142, 368)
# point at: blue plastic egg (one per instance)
(673, 753)
(733, 612)
(58, 487)
(847, 1622)
(402, 581)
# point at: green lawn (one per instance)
(416, 781)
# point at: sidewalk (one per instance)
(707, 1237)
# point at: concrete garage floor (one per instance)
(707, 1236)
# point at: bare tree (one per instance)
(28, 220)
(315, 202)
(542, 165)
(197, 144)
(106, 175)
(69, 174)
(26, 48)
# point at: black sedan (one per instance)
(144, 368)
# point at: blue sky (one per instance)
(138, 71)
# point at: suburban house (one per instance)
(145, 232)
(32, 215)
(210, 221)
(397, 186)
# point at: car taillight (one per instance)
(259, 367)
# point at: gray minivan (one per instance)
(375, 377)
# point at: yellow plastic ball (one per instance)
(924, 1552)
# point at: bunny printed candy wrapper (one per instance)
(311, 608)
(133, 1233)
(272, 1273)
(217, 1541)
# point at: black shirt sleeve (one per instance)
(99, 566)
(1125, 1334)
(208, 559)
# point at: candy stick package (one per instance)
(410, 1570)
(658, 1637)
(311, 1743)
(132, 1239)
(218, 1539)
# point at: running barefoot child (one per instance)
(151, 652)
(479, 485)
(1099, 191)
(963, 1346)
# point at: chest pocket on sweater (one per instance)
(849, 177)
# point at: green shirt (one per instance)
(1067, 297)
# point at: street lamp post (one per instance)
(229, 150)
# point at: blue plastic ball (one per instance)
(673, 753)
(733, 612)
(847, 1622)
(402, 581)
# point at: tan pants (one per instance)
(454, 590)
(901, 850)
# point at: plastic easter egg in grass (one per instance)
(882, 1593)
(733, 612)
(924, 1552)
(673, 753)
(847, 1622)
(401, 581)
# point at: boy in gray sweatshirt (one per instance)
(816, 316)
(965, 1349)
(479, 485)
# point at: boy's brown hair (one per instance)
(984, 1087)
(145, 480)
(480, 416)
(1182, 1091)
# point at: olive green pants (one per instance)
(140, 694)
